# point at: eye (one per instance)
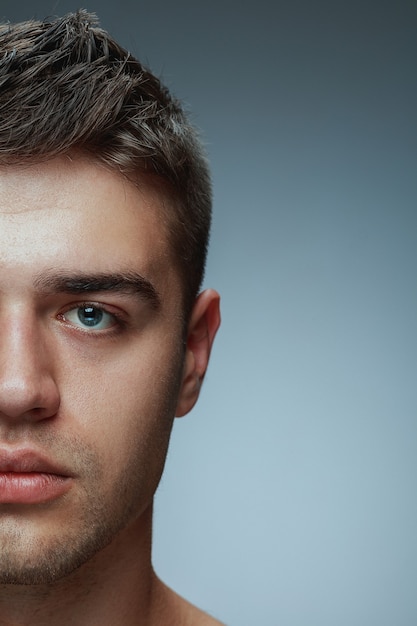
(90, 316)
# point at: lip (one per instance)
(28, 477)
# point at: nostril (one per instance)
(42, 412)
(27, 401)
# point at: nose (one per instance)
(28, 390)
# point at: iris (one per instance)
(90, 316)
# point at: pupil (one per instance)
(90, 316)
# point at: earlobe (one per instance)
(204, 323)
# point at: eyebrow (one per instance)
(81, 283)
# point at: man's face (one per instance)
(91, 362)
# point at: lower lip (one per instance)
(31, 487)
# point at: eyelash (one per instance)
(116, 327)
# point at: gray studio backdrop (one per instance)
(290, 496)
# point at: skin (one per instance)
(91, 380)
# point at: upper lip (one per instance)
(25, 460)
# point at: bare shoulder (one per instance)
(170, 608)
(195, 617)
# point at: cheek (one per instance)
(123, 409)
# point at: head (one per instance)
(67, 87)
(104, 218)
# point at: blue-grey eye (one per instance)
(89, 316)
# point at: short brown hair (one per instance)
(66, 85)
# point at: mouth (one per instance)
(27, 477)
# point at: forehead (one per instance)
(74, 214)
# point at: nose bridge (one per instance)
(27, 385)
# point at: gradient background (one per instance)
(290, 492)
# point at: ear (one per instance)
(204, 322)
